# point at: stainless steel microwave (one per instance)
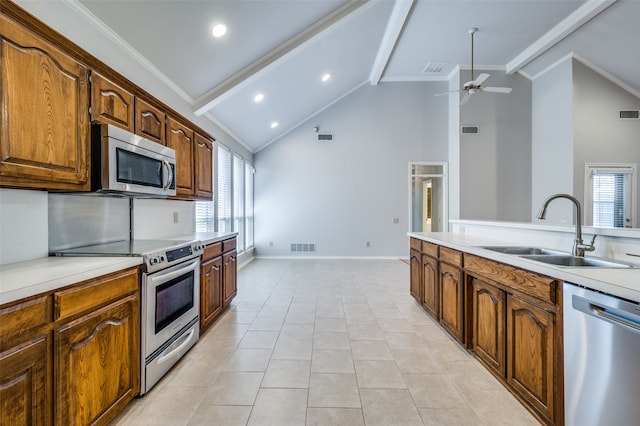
(125, 163)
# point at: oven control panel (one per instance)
(167, 257)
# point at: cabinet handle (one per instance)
(215, 268)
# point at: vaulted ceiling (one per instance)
(283, 48)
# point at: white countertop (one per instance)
(23, 279)
(207, 237)
(621, 282)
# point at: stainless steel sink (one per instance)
(521, 250)
(576, 261)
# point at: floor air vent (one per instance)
(303, 247)
(469, 130)
(629, 114)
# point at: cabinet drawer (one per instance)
(415, 244)
(228, 245)
(211, 251)
(430, 249)
(530, 283)
(451, 256)
(94, 293)
(23, 319)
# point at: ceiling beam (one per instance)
(579, 17)
(390, 38)
(258, 68)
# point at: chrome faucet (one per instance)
(579, 247)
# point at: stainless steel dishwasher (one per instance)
(601, 358)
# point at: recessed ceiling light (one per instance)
(258, 97)
(274, 124)
(326, 77)
(219, 30)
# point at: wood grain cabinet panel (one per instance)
(530, 354)
(23, 384)
(96, 373)
(229, 280)
(488, 324)
(150, 121)
(180, 138)
(110, 103)
(211, 291)
(44, 123)
(430, 285)
(416, 275)
(451, 300)
(204, 167)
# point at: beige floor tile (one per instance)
(258, 340)
(227, 415)
(229, 331)
(234, 388)
(249, 360)
(300, 307)
(171, 406)
(334, 417)
(407, 340)
(499, 407)
(297, 331)
(331, 340)
(330, 324)
(471, 376)
(459, 416)
(416, 362)
(238, 317)
(360, 317)
(433, 391)
(193, 372)
(389, 407)
(449, 351)
(331, 361)
(300, 318)
(334, 390)
(285, 373)
(266, 324)
(395, 324)
(293, 349)
(365, 332)
(370, 350)
(282, 407)
(378, 375)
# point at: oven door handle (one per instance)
(160, 277)
(176, 351)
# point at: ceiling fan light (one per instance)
(219, 30)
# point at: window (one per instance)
(248, 204)
(223, 195)
(204, 216)
(609, 195)
(238, 200)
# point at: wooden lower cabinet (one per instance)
(530, 354)
(430, 285)
(416, 276)
(451, 300)
(23, 384)
(210, 291)
(229, 280)
(488, 324)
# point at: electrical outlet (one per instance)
(175, 217)
(270, 243)
(396, 221)
(368, 244)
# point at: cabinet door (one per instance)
(451, 301)
(97, 364)
(416, 277)
(530, 349)
(23, 385)
(204, 167)
(110, 103)
(210, 291)
(230, 275)
(430, 293)
(180, 138)
(150, 122)
(488, 324)
(44, 123)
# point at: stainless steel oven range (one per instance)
(170, 299)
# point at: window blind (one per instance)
(248, 204)
(204, 216)
(238, 199)
(223, 195)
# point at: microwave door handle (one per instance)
(169, 174)
(159, 277)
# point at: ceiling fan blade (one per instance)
(446, 93)
(465, 98)
(497, 89)
(481, 78)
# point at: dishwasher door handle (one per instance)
(628, 320)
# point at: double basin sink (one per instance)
(559, 258)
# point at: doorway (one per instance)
(428, 197)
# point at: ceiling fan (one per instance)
(475, 85)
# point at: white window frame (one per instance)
(237, 199)
(625, 168)
(229, 190)
(249, 172)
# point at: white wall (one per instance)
(552, 142)
(344, 193)
(495, 164)
(23, 225)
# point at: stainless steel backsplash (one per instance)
(81, 220)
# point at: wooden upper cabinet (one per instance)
(150, 122)
(44, 125)
(110, 103)
(180, 138)
(204, 167)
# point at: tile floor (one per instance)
(326, 342)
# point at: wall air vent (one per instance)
(303, 247)
(469, 130)
(435, 67)
(324, 137)
(629, 114)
